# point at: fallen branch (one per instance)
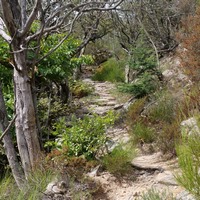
(8, 128)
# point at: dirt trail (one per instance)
(150, 171)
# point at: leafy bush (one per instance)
(143, 65)
(189, 162)
(117, 162)
(142, 132)
(112, 71)
(85, 137)
(49, 110)
(145, 84)
(143, 59)
(60, 64)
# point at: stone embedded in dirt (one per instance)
(56, 190)
(148, 162)
(118, 106)
(104, 102)
(56, 187)
(184, 195)
(166, 178)
(101, 110)
(94, 172)
(168, 74)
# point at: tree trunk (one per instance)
(25, 123)
(77, 70)
(8, 145)
(65, 91)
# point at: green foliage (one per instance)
(145, 84)
(85, 137)
(141, 132)
(118, 161)
(152, 194)
(142, 63)
(143, 59)
(189, 162)
(49, 110)
(9, 99)
(6, 73)
(4, 51)
(112, 70)
(61, 62)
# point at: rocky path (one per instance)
(149, 171)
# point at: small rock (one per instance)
(56, 187)
(118, 106)
(184, 195)
(190, 126)
(149, 162)
(166, 178)
(94, 172)
(168, 74)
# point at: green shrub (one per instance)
(143, 59)
(117, 162)
(189, 162)
(142, 63)
(49, 110)
(112, 71)
(141, 132)
(85, 137)
(143, 85)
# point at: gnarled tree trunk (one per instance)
(26, 130)
(25, 123)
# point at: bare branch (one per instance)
(105, 8)
(79, 8)
(60, 43)
(3, 33)
(150, 39)
(72, 6)
(8, 17)
(8, 128)
(31, 18)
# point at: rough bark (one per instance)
(26, 130)
(25, 123)
(65, 91)
(8, 145)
